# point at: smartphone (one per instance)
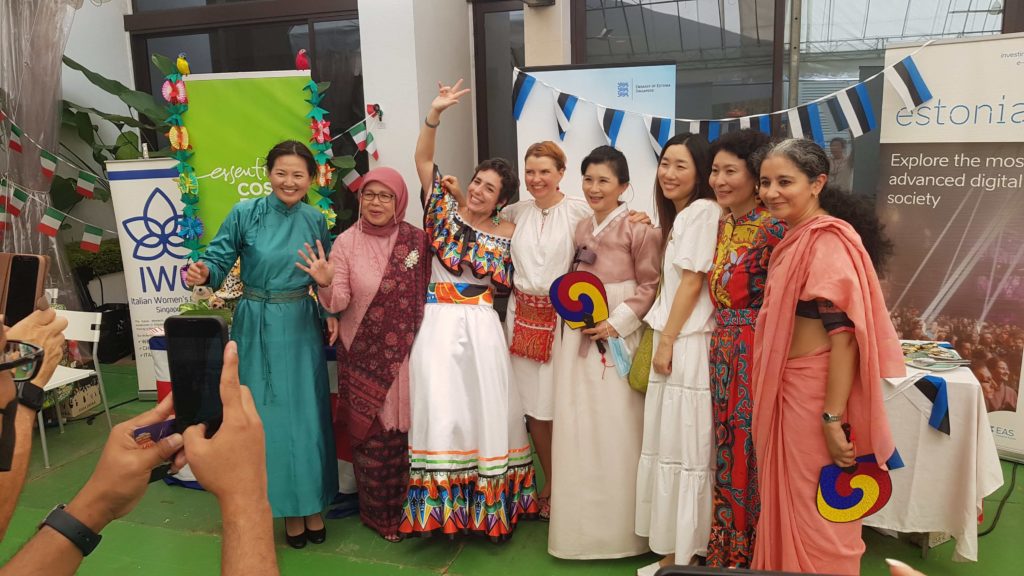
(195, 357)
(23, 279)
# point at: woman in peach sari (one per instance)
(822, 343)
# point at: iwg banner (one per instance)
(233, 120)
(595, 100)
(952, 197)
(146, 205)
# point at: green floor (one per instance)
(177, 531)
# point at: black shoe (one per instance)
(317, 536)
(297, 541)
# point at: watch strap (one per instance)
(30, 395)
(829, 418)
(79, 534)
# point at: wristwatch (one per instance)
(80, 535)
(30, 395)
(830, 418)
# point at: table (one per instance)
(946, 477)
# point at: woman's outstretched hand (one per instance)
(448, 96)
(316, 264)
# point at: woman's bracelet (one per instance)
(429, 125)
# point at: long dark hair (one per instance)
(699, 149)
(858, 211)
(292, 148)
(614, 159)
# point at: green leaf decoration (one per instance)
(322, 87)
(343, 162)
(62, 193)
(127, 144)
(165, 65)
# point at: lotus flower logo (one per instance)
(155, 233)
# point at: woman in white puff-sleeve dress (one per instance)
(675, 474)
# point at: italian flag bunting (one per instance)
(371, 146)
(353, 179)
(4, 218)
(51, 221)
(17, 201)
(15, 142)
(91, 239)
(48, 162)
(358, 133)
(86, 184)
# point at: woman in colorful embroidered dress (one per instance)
(823, 342)
(542, 250)
(673, 499)
(378, 272)
(280, 341)
(746, 238)
(598, 425)
(472, 466)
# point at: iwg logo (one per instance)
(155, 235)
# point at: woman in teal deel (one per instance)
(280, 344)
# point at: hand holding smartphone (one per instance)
(22, 279)
(195, 356)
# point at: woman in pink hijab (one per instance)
(822, 344)
(376, 278)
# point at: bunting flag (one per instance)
(760, 123)
(371, 146)
(522, 85)
(659, 130)
(353, 179)
(611, 123)
(805, 122)
(4, 218)
(836, 111)
(564, 106)
(908, 83)
(17, 201)
(934, 388)
(91, 239)
(358, 133)
(856, 107)
(86, 185)
(14, 142)
(51, 221)
(709, 129)
(730, 125)
(48, 163)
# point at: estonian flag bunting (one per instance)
(856, 107)
(838, 118)
(908, 83)
(709, 129)
(759, 123)
(521, 87)
(564, 106)
(611, 123)
(805, 122)
(659, 130)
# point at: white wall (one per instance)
(407, 47)
(547, 34)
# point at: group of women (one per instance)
(769, 333)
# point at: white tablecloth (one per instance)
(946, 477)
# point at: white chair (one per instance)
(82, 327)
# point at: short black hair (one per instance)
(613, 158)
(292, 148)
(743, 144)
(509, 178)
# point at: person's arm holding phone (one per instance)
(220, 255)
(46, 330)
(232, 466)
(115, 487)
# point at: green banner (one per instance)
(233, 120)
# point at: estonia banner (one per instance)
(521, 87)
(709, 129)
(805, 122)
(611, 123)
(564, 106)
(908, 83)
(659, 130)
(856, 107)
(760, 123)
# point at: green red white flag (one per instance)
(91, 238)
(48, 163)
(51, 221)
(353, 179)
(358, 133)
(5, 219)
(86, 184)
(371, 146)
(14, 143)
(17, 201)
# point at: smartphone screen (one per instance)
(195, 356)
(21, 288)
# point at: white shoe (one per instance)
(648, 570)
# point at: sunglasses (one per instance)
(22, 358)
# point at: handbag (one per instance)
(640, 371)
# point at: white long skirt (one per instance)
(596, 441)
(468, 443)
(676, 472)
